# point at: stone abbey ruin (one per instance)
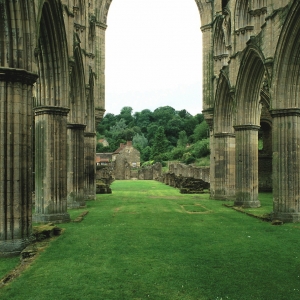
(52, 62)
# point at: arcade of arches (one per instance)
(52, 89)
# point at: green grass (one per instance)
(144, 241)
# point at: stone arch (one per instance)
(286, 118)
(248, 112)
(52, 56)
(242, 16)
(51, 116)
(77, 88)
(242, 23)
(75, 131)
(222, 165)
(248, 87)
(222, 40)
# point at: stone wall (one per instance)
(150, 172)
(189, 179)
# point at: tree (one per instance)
(182, 140)
(160, 144)
(126, 114)
(139, 141)
(201, 131)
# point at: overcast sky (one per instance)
(153, 55)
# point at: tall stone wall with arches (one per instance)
(251, 102)
(52, 71)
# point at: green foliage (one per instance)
(146, 154)
(201, 131)
(160, 145)
(180, 128)
(139, 141)
(182, 139)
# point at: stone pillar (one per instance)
(286, 164)
(51, 164)
(246, 161)
(224, 166)
(75, 166)
(90, 165)
(99, 92)
(15, 159)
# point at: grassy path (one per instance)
(147, 241)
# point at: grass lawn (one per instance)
(148, 241)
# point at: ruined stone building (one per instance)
(52, 61)
(124, 160)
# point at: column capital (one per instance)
(224, 134)
(51, 110)
(284, 112)
(90, 134)
(246, 127)
(17, 75)
(76, 126)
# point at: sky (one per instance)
(153, 56)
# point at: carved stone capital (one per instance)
(17, 75)
(51, 110)
(90, 134)
(76, 126)
(224, 135)
(246, 127)
(284, 112)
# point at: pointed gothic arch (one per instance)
(51, 116)
(222, 166)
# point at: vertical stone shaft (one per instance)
(99, 92)
(15, 160)
(50, 164)
(89, 165)
(224, 157)
(246, 160)
(286, 164)
(75, 166)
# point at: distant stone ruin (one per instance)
(187, 178)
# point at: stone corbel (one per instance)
(258, 12)
(209, 117)
(71, 65)
(79, 27)
(75, 9)
(269, 62)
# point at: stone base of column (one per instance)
(13, 247)
(73, 204)
(51, 218)
(247, 204)
(222, 197)
(286, 217)
(91, 197)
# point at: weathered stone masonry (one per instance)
(52, 63)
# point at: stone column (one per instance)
(224, 166)
(15, 159)
(246, 161)
(90, 165)
(286, 164)
(51, 164)
(99, 92)
(75, 166)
